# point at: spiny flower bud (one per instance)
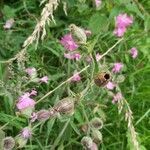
(96, 136)
(26, 132)
(8, 143)
(87, 142)
(43, 115)
(97, 123)
(23, 137)
(78, 34)
(65, 106)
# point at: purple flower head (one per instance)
(76, 77)
(122, 22)
(117, 67)
(68, 42)
(110, 85)
(33, 93)
(134, 52)
(117, 97)
(31, 71)
(9, 23)
(73, 56)
(98, 57)
(97, 3)
(25, 102)
(44, 79)
(26, 133)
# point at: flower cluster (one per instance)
(122, 22)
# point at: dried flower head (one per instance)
(8, 143)
(87, 142)
(97, 136)
(96, 123)
(65, 106)
(43, 115)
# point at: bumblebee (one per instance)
(102, 79)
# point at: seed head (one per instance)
(8, 143)
(87, 142)
(96, 123)
(65, 106)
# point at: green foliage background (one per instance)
(49, 60)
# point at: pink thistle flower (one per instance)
(122, 22)
(117, 67)
(9, 23)
(33, 92)
(26, 133)
(31, 71)
(98, 57)
(97, 3)
(76, 77)
(88, 32)
(134, 52)
(110, 85)
(68, 42)
(119, 31)
(72, 56)
(25, 102)
(117, 97)
(44, 79)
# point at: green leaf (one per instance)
(134, 8)
(98, 23)
(8, 12)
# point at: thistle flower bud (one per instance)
(87, 142)
(23, 137)
(26, 132)
(96, 123)
(43, 115)
(78, 34)
(65, 106)
(96, 136)
(8, 143)
(120, 78)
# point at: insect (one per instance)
(102, 79)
